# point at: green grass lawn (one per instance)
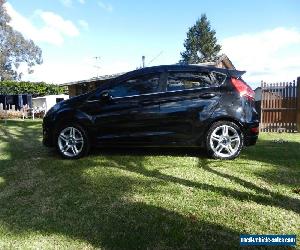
(144, 198)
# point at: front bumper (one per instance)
(48, 136)
(47, 139)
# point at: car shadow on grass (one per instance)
(49, 196)
(42, 193)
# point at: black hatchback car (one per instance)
(175, 105)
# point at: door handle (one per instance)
(148, 102)
(207, 95)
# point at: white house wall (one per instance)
(47, 102)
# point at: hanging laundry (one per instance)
(2, 99)
(25, 102)
(29, 101)
(9, 101)
(15, 100)
(18, 102)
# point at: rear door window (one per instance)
(189, 80)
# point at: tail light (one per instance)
(243, 88)
(255, 130)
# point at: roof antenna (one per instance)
(159, 54)
(97, 61)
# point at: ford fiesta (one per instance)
(169, 106)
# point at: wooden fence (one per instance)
(280, 106)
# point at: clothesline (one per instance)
(19, 101)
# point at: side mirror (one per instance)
(105, 96)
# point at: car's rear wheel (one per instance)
(72, 142)
(224, 140)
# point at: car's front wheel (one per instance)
(224, 140)
(72, 142)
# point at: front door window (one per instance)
(145, 84)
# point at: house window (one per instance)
(59, 100)
(81, 89)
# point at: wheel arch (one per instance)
(72, 117)
(225, 118)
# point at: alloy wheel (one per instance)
(70, 142)
(225, 141)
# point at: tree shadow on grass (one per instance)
(262, 196)
(283, 159)
(44, 194)
(280, 161)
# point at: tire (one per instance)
(72, 141)
(224, 140)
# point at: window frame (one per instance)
(163, 72)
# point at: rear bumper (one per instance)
(251, 133)
(251, 140)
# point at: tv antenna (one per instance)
(97, 64)
(154, 58)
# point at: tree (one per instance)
(201, 43)
(34, 88)
(15, 49)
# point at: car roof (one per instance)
(174, 67)
(182, 67)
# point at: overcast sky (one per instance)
(261, 37)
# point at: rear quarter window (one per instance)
(219, 77)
